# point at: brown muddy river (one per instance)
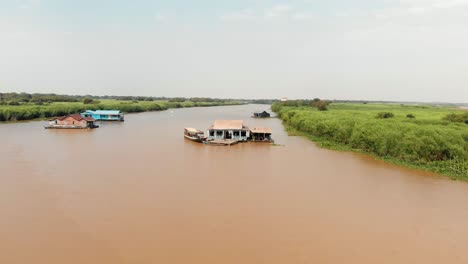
(137, 192)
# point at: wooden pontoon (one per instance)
(221, 142)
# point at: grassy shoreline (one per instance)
(352, 128)
(29, 111)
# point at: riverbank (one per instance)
(31, 111)
(415, 137)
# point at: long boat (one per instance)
(194, 134)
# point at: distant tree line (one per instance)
(18, 98)
(321, 105)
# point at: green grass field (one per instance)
(29, 111)
(428, 141)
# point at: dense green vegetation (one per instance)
(30, 110)
(431, 138)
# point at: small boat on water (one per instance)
(194, 134)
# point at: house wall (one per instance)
(69, 122)
(105, 117)
(222, 135)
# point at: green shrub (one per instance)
(459, 118)
(385, 115)
(88, 101)
(410, 116)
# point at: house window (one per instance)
(219, 133)
(212, 133)
(236, 133)
(243, 133)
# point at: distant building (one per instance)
(263, 114)
(228, 130)
(104, 115)
(74, 121)
(284, 99)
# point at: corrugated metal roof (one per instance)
(262, 130)
(228, 124)
(77, 117)
(193, 130)
(103, 112)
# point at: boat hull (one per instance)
(195, 139)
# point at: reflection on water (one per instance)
(137, 192)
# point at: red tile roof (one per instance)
(77, 117)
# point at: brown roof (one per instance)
(228, 124)
(262, 130)
(193, 130)
(77, 117)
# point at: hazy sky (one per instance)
(335, 49)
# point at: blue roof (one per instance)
(103, 112)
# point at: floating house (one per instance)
(104, 115)
(74, 121)
(232, 130)
(263, 114)
(261, 134)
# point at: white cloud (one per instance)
(18, 35)
(278, 11)
(27, 4)
(161, 17)
(274, 12)
(303, 16)
(418, 7)
(246, 14)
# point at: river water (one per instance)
(137, 192)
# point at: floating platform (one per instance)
(271, 141)
(220, 142)
(70, 127)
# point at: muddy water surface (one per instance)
(137, 192)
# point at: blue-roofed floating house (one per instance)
(104, 115)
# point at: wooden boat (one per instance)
(194, 134)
